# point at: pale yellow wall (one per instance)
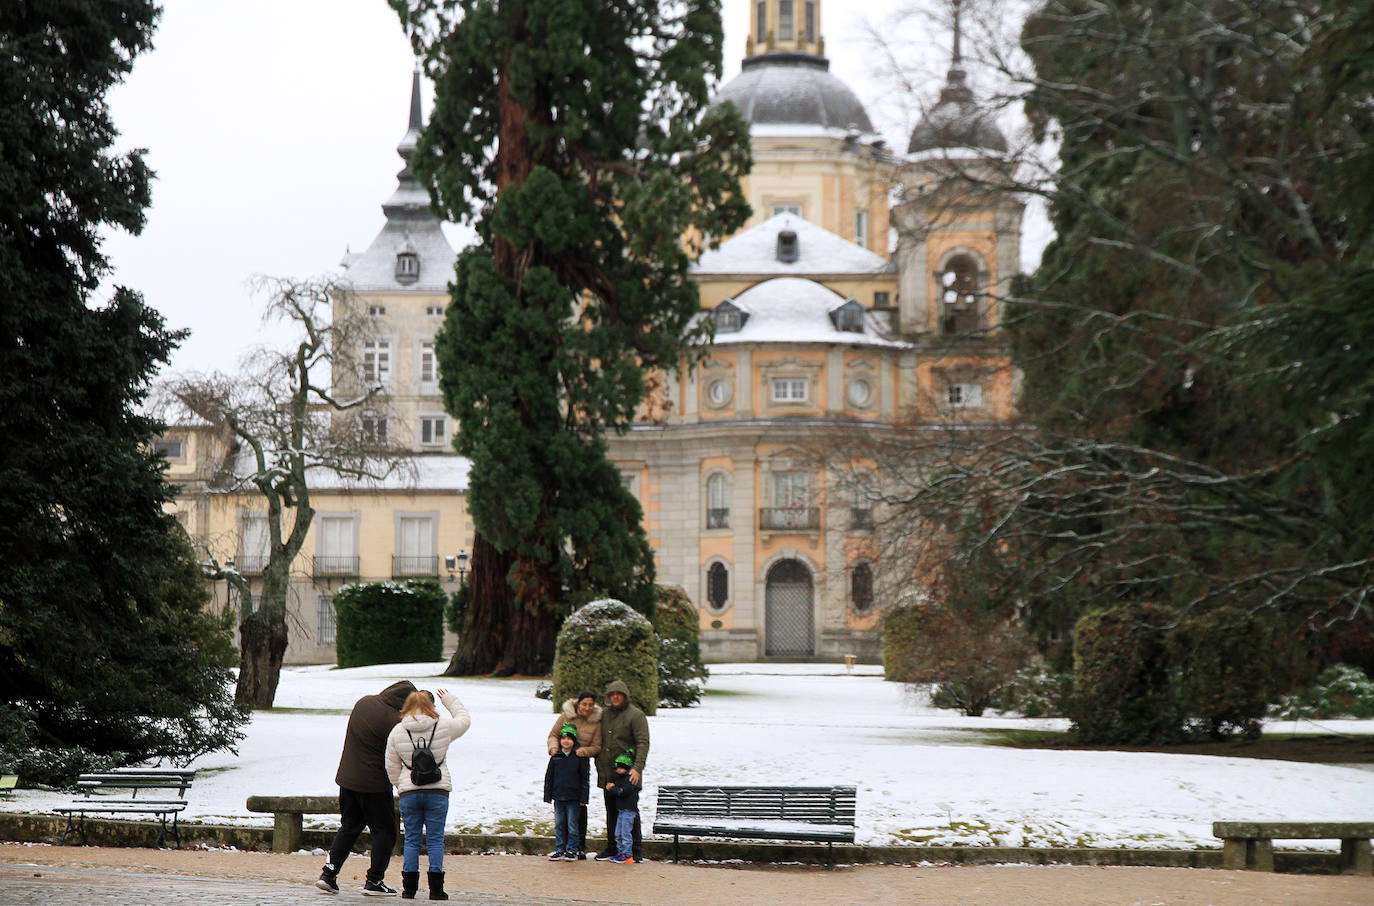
(715, 289)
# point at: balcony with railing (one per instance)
(250, 564)
(790, 518)
(406, 566)
(718, 517)
(335, 565)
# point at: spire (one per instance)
(956, 88)
(409, 199)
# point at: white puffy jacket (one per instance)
(398, 744)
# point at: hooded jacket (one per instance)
(567, 777)
(622, 728)
(361, 766)
(445, 730)
(588, 728)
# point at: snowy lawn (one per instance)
(920, 779)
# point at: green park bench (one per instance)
(126, 784)
(815, 814)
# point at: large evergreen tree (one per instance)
(104, 644)
(576, 135)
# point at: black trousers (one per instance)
(612, 809)
(376, 812)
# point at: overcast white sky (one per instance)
(272, 126)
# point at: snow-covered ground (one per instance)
(920, 779)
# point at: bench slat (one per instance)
(812, 814)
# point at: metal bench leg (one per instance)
(674, 847)
(829, 855)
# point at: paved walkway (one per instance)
(35, 874)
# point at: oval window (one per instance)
(719, 392)
(860, 393)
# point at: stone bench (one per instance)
(1249, 844)
(288, 827)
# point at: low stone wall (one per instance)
(105, 832)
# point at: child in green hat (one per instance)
(565, 785)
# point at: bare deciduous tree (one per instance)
(287, 427)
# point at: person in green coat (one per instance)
(623, 728)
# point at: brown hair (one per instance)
(421, 701)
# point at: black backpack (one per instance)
(424, 770)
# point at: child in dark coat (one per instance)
(565, 785)
(627, 807)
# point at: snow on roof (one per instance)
(796, 310)
(819, 251)
(375, 269)
(423, 472)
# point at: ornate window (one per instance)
(717, 586)
(861, 586)
(377, 362)
(785, 19)
(860, 227)
(963, 396)
(407, 266)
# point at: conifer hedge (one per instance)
(390, 622)
(604, 641)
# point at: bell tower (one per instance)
(793, 26)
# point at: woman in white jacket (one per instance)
(424, 806)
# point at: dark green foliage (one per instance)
(576, 136)
(973, 653)
(1123, 677)
(602, 642)
(681, 672)
(901, 625)
(1340, 691)
(390, 622)
(1231, 667)
(1036, 691)
(105, 651)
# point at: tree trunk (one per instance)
(491, 601)
(262, 647)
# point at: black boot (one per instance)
(410, 882)
(436, 886)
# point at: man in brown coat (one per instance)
(365, 789)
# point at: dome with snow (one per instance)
(957, 122)
(794, 89)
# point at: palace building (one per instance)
(860, 296)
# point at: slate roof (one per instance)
(410, 227)
(794, 89)
(957, 122)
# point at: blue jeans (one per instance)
(624, 830)
(424, 811)
(567, 821)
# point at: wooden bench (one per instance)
(94, 801)
(814, 814)
(1249, 844)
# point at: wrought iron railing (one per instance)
(335, 565)
(789, 517)
(408, 565)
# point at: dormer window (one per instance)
(849, 317)
(407, 267)
(728, 317)
(789, 249)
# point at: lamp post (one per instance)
(462, 566)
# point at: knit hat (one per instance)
(626, 759)
(568, 730)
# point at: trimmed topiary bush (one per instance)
(604, 641)
(1227, 671)
(389, 622)
(901, 625)
(1122, 678)
(681, 673)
